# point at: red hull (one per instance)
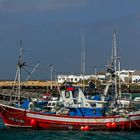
(15, 117)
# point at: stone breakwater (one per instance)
(29, 83)
(33, 89)
(7, 93)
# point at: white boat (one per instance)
(136, 99)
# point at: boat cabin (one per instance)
(74, 98)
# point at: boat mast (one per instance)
(51, 70)
(119, 66)
(114, 62)
(83, 56)
(20, 64)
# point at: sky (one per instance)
(50, 31)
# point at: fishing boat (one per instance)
(72, 111)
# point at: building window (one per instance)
(64, 79)
(68, 79)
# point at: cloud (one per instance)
(10, 6)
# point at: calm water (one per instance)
(29, 134)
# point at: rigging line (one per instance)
(10, 112)
(3, 109)
(33, 63)
(55, 77)
(26, 70)
(134, 122)
(32, 71)
(42, 69)
(15, 81)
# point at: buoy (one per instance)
(33, 123)
(113, 125)
(86, 128)
(108, 125)
(82, 128)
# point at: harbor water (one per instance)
(30, 134)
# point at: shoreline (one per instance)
(43, 86)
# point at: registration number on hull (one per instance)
(16, 120)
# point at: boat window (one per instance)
(67, 94)
(57, 104)
(75, 94)
(75, 101)
(53, 104)
(49, 104)
(93, 104)
(126, 96)
(61, 105)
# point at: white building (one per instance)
(132, 75)
(136, 77)
(77, 77)
(71, 78)
(125, 76)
